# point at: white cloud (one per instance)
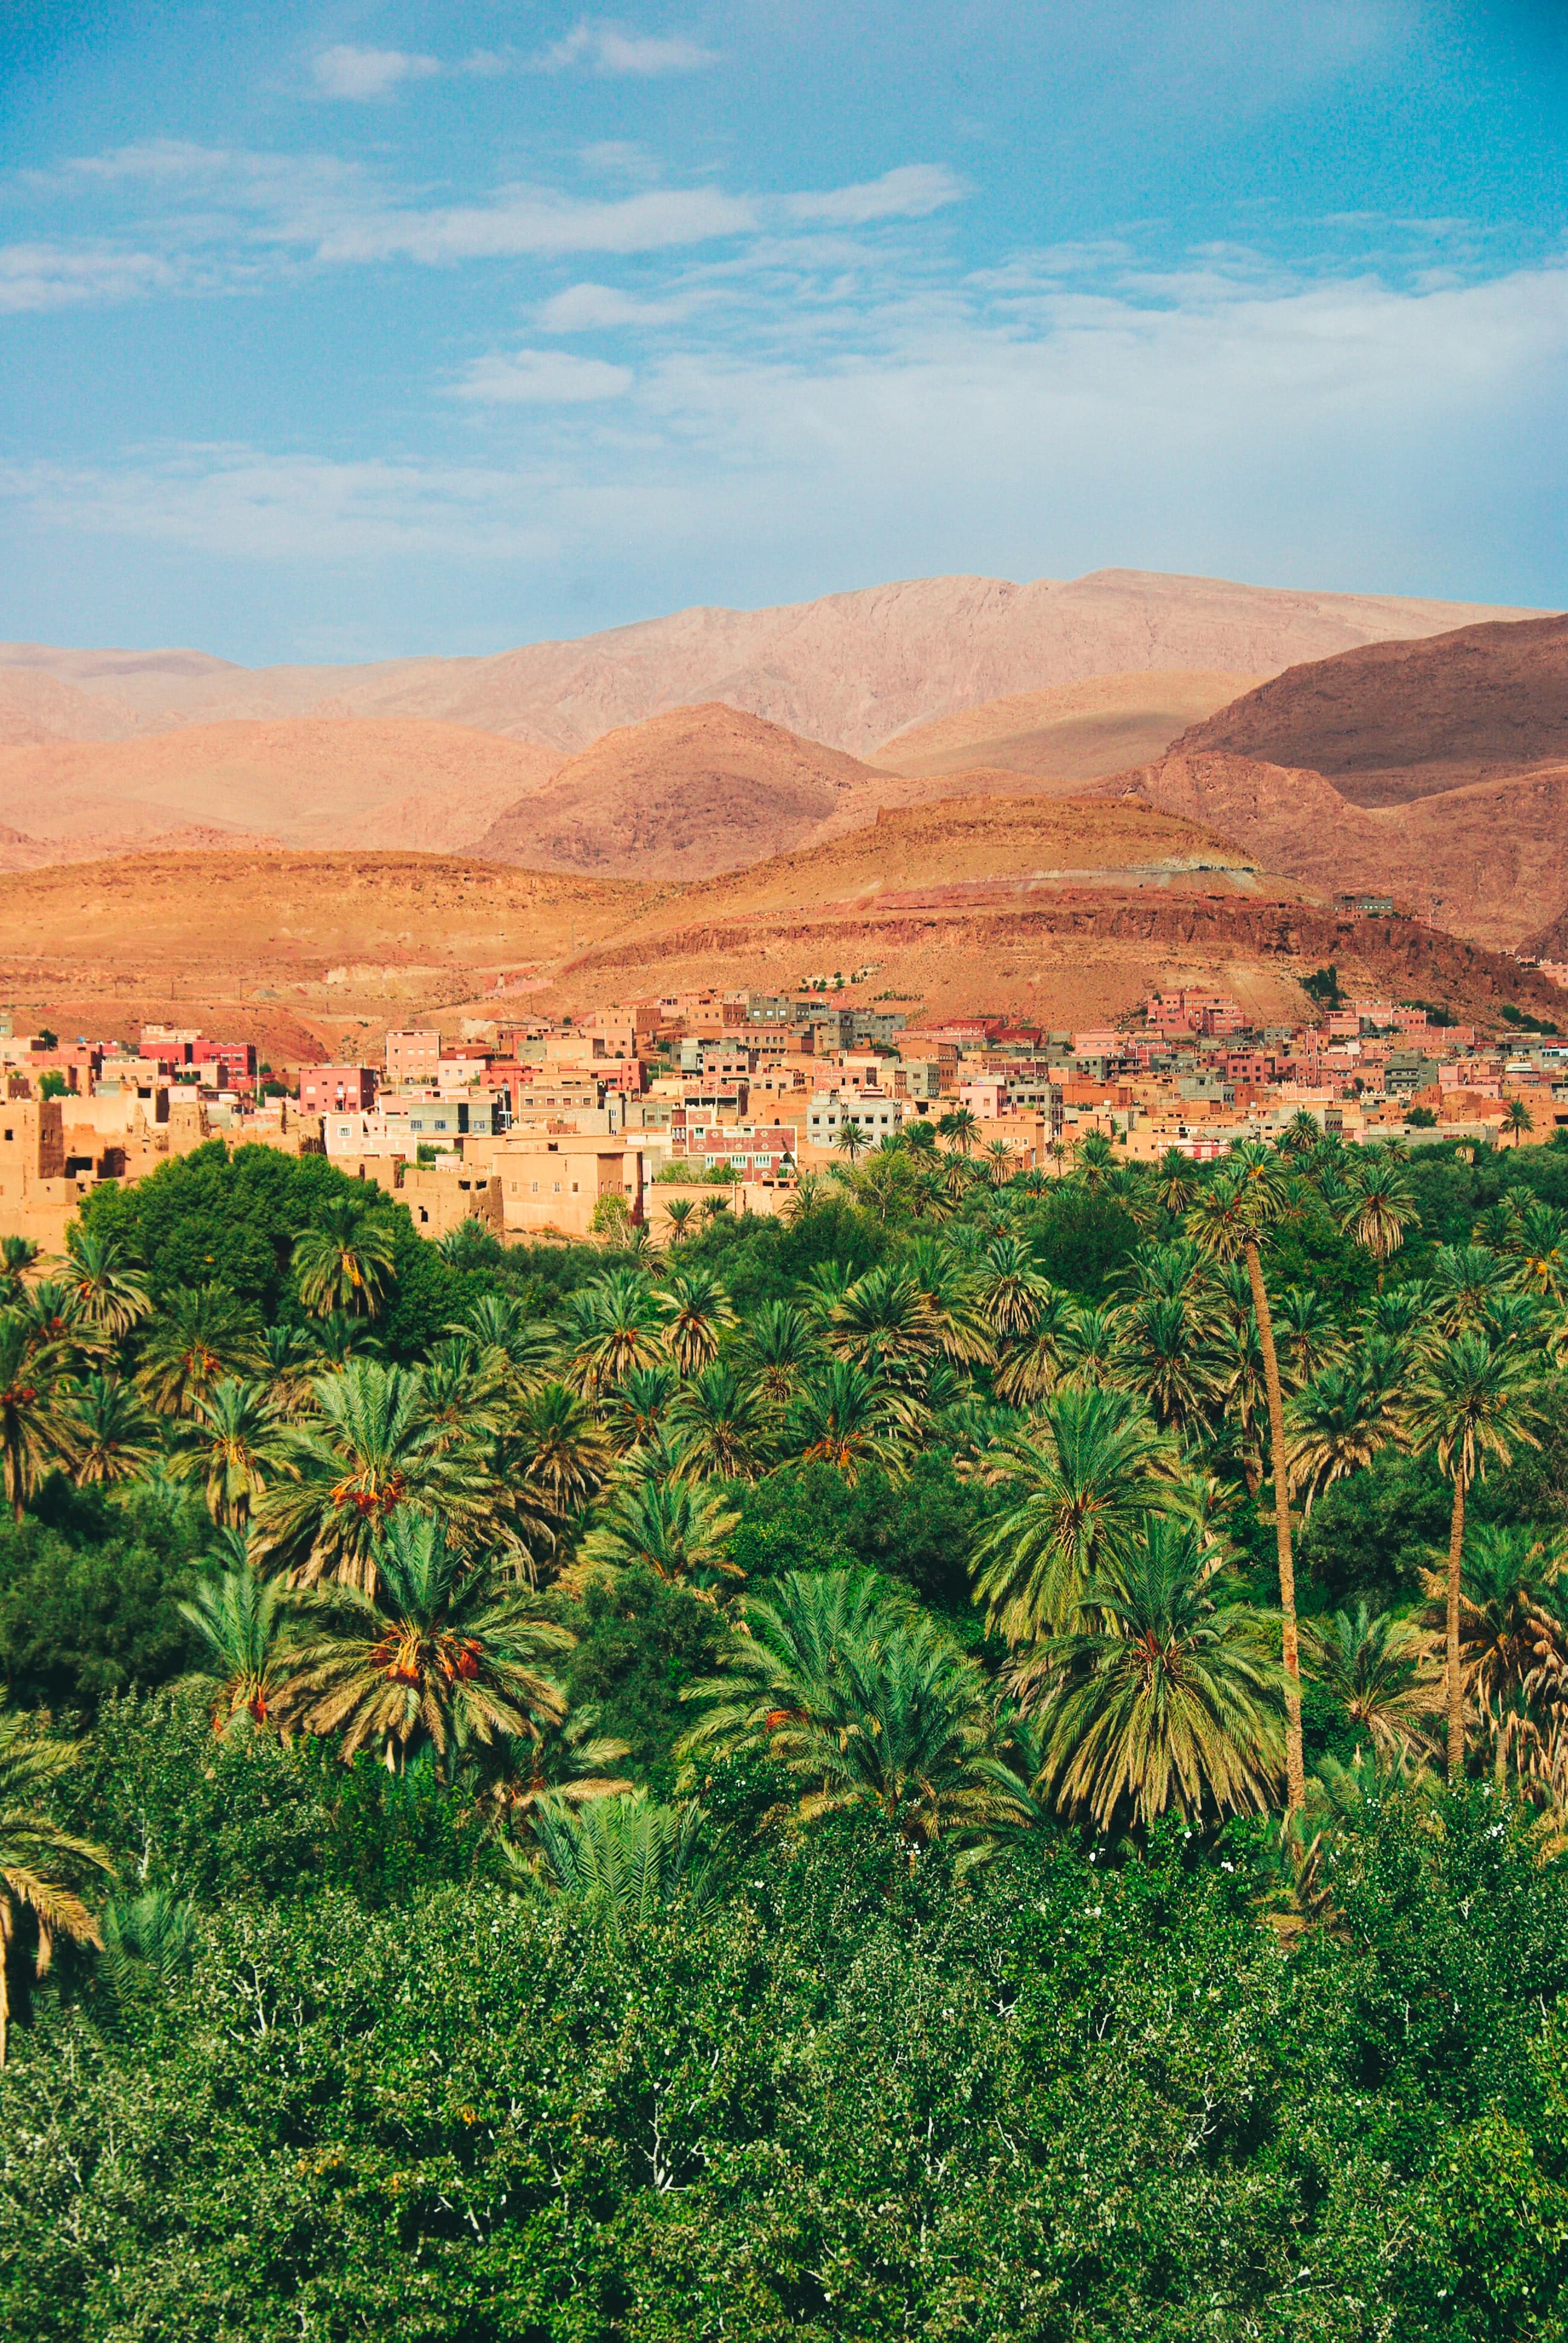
(348, 72)
(541, 378)
(911, 192)
(59, 276)
(610, 51)
(588, 308)
(541, 221)
(241, 501)
(1334, 434)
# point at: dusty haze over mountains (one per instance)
(939, 776)
(851, 669)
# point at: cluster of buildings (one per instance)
(568, 1126)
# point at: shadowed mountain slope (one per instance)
(1395, 721)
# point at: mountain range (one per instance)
(1304, 746)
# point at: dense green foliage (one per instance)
(588, 1794)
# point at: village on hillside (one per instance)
(644, 1112)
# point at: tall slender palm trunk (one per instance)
(1291, 1653)
(1452, 1686)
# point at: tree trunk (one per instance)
(1295, 1765)
(1454, 1688)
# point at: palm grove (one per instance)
(991, 1754)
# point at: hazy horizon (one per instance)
(368, 328)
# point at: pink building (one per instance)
(337, 1090)
(412, 1057)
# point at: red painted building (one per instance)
(337, 1090)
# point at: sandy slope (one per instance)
(851, 669)
(705, 790)
(305, 782)
(1075, 732)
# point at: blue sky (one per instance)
(353, 331)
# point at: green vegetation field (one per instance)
(800, 1785)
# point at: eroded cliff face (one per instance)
(1489, 861)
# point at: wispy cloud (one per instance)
(541, 378)
(605, 49)
(351, 73)
(593, 309)
(57, 276)
(911, 192)
(541, 221)
(1203, 432)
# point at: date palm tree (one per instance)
(1308, 1333)
(1009, 1289)
(561, 1447)
(18, 1257)
(111, 1294)
(851, 1138)
(1034, 1363)
(1540, 1253)
(719, 1423)
(370, 1450)
(521, 1348)
(467, 1392)
(289, 1365)
(952, 1292)
(1401, 1312)
(680, 1532)
(1511, 1616)
(1464, 1280)
(345, 1261)
(960, 1128)
(42, 1866)
(1088, 1346)
(1302, 1135)
(778, 1349)
(626, 1858)
(35, 1400)
(445, 1653)
(865, 1705)
(638, 1409)
(199, 1336)
(1366, 1664)
(106, 1435)
(1084, 1481)
(609, 1327)
(1338, 1423)
(1469, 1403)
(338, 1337)
(698, 1311)
(1518, 1119)
(1161, 1699)
(849, 1419)
(1164, 1354)
(679, 1214)
(564, 1764)
(1230, 1221)
(236, 1446)
(57, 1320)
(1379, 1207)
(883, 1323)
(1094, 1160)
(243, 1621)
(1175, 1183)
